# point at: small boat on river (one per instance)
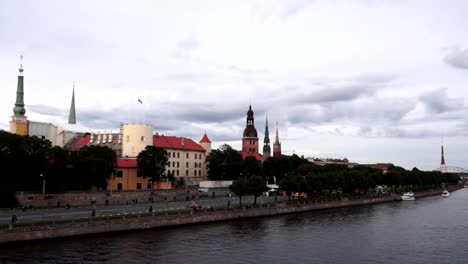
(445, 194)
(409, 196)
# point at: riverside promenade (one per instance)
(134, 222)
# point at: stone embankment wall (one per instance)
(75, 199)
(129, 223)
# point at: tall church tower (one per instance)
(72, 114)
(250, 138)
(19, 122)
(277, 144)
(443, 166)
(266, 142)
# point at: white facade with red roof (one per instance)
(187, 159)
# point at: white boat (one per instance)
(445, 193)
(409, 196)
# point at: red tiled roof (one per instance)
(126, 163)
(170, 142)
(255, 155)
(79, 141)
(205, 139)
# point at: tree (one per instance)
(240, 188)
(288, 184)
(224, 164)
(257, 186)
(94, 166)
(152, 162)
(252, 167)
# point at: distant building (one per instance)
(250, 138)
(187, 159)
(277, 144)
(266, 142)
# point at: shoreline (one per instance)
(128, 223)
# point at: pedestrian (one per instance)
(213, 195)
(68, 206)
(229, 203)
(93, 212)
(151, 209)
(14, 219)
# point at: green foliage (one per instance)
(94, 166)
(224, 164)
(240, 188)
(256, 186)
(278, 167)
(152, 162)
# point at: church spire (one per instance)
(19, 109)
(442, 158)
(19, 122)
(72, 114)
(266, 142)
(277, 144)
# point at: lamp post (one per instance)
(43, 186)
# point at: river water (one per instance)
(428, 230)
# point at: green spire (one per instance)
(19, 110)
(72, 114)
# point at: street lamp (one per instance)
(43, 186)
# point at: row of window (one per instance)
(175, 164)
(187, 155)
(176, 172)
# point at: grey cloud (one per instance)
(457, 58)
(438, 101)
(292, 8)
(185, 46)
(45, 110)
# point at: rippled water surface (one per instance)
(429, 230)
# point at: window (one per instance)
(119, 186)
(195, 172)
(138, 186)
(148, 186)
(173, 164)
(168, 164)
(177, 172)
(177, 164)
(142, 138)
(199, 165)
(186, 173)
(173, 154)
(199, 173)
(186, 164)
(178, 154)
(196, 165)
(119, 174)
(186, 155)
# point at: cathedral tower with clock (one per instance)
(250, 137)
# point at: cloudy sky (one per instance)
(373, 81)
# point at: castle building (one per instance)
(277, 144)
(266, 142)
(186, 158)
(250, 138)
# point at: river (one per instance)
(428, 230)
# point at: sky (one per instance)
(372, 81)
